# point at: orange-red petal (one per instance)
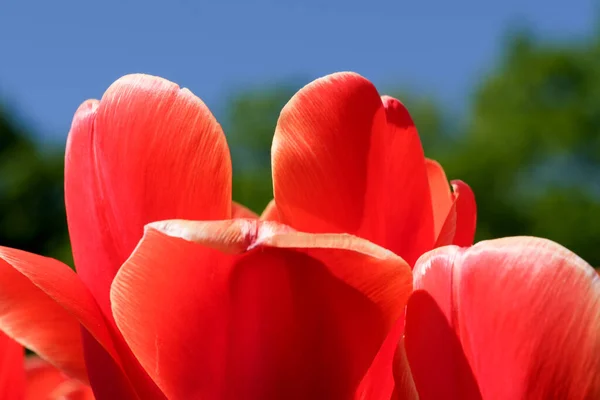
(240, 211)
(42, 378)
(42, 304)
(380, 382)
(466, 214)
(73, 390)
(270, 212)
(441, 196)
(346, 160)
(12, 373)
(252, 309)
(505, 319)
(147, 151)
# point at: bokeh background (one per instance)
(506, 95)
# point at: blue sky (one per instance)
(55, 54)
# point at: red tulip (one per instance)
(32, 378)
(513, 318)
(347, 160)
(245, 309)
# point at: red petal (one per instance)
(519, 316)
(46, 382)
(270, 213)
(301, 316)
(73, 390)
(43, 310)
(240, 211)
(42, 304)
(405, 388)
(441, 196)
(42, 379)
(466, 214)
(148, 151)
(12, 373)
(447, 234)
(389, 375)
(346, 161)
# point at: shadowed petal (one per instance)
(272, 313)
(389, 375)
(42, 304)
(441, 196)
(466, 214)
(518, 316)
(73, 390)
(270, 212)
(240, 211)
(42, 378)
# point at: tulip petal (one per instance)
(346, 160)
(256, 310)
(96, 251)
(405, 388)
(42, 304)
(441, 196)
(270, 212)
(45, 382)
(73, 390)
(439, 368)
(83, 211)
(447, 234)
(42, 379)
(519, 316)
(389, 375)
(147, 151)
(240, 211)
(12, 373)
(466, 214)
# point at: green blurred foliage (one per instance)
(32, 211)
(529, 146)
(250, 123)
